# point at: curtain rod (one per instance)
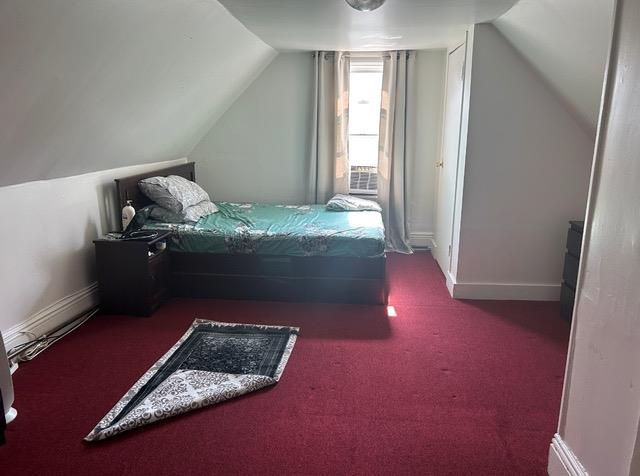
(364, 54)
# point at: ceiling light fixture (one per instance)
(365, 5)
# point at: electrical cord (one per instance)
(30, 349)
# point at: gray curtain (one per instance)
(398, 86)
(329, 162)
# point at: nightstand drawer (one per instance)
(159, 273)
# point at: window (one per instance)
(365, 86)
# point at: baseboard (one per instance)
(562, 461)
(451, 283)
(504, 291)
(52, 316)
(421, 239)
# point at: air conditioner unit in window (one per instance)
(6, 385)
(363, 180)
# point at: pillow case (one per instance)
(189, 215)
(173, 193)
(349, 203)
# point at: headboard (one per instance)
(127, 187)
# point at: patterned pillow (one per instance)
(189, 215)
(349, 203)
(173, 193)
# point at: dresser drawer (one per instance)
(574, 242)
(567, 301)
(570, 273)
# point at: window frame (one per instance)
(365, 64)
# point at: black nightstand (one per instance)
(133, 276)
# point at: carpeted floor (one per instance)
(446, 387)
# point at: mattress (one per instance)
(284, 230)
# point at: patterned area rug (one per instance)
(212, 362)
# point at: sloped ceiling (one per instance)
(567, 41)
(333, 25)
(90, 85)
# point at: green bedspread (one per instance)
(290, 230)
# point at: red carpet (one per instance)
(446, 387)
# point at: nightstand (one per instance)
(133, 275)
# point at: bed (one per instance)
(272, 252)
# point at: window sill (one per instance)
(366, 196)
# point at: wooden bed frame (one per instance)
(264, 277)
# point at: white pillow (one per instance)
(189, 215)
(349, 203)
(173, 193)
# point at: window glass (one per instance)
(364, 122)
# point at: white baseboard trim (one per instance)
(422, 239)
(503, 291)
(562, 461)
(451, 283)
(52, 316)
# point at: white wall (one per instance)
(599, 419)
(526, 174)
(47, 256)
(421, 169)
(567, 41)
(92, 85)
(259, 149)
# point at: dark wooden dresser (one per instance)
(133, 276)
(570, 272)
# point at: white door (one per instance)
(448, 164)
